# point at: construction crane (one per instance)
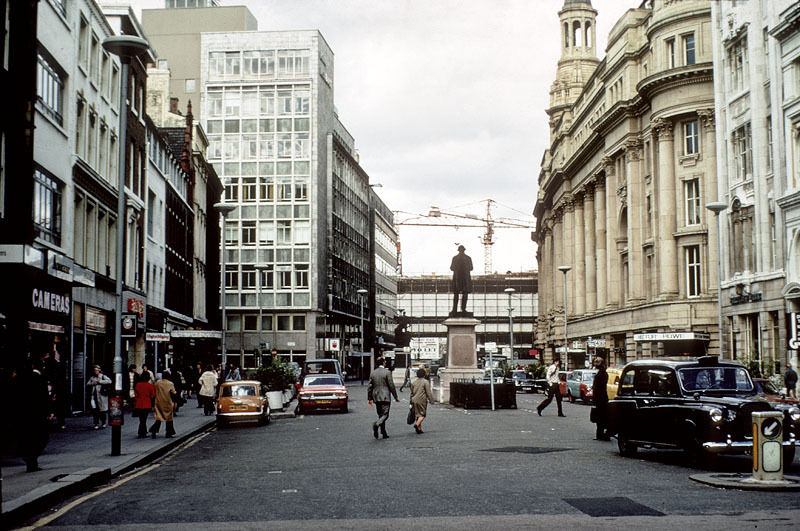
(488, 223)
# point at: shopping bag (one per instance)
(410, 419)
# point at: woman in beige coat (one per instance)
(421, 394)
(163, 407)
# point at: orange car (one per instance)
(613, 381)
(242, 401)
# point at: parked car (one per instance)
(242, 401)
(322, 392)
(701, 405)
(766, 389)
(613, 381)
(563, 376)
(522, 381)
(498, 376)
(579, 385)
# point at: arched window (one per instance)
(576, 33)
(588, 39)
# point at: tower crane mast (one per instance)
(487, 222)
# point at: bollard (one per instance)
(767, 446)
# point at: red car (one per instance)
(767, 389)
(322, 392)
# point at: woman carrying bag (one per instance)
(99, 387)
(421, 394)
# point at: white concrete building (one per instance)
(756, 50)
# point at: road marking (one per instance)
(289, 491)
(275, 472)
(58, 514)
(64, 510)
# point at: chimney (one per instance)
(173, 106)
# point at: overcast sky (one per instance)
(446, 100)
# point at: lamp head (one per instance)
(717, 206)
(564, 268)
(224, 208)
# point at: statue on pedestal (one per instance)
(461, 266)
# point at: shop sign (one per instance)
(136, 306)
(95, 320)
(596, 343)
(59, 266)
(747, 297)
(156, 336)
(672, 336)
(197, 334)
(44, 327)
(794, 342)
(49, 301)
(333, 344)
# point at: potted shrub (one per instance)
(277, 377)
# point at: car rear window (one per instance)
(239, 390)
(716, 378)
(322, 380)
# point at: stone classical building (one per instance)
(756, 51)
(623, 184)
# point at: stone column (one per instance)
(600, 241)
(667, 246)
(569, 252)
(558, 258)
(546, 302)
(711, 193)
(636, 219)
(590, 285)
(612, 256)
(579, 279)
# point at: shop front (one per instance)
(35, 312)
(675, 343)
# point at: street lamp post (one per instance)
(510, 324)
(361, 294)
(564, 269)
(717, 207)
(126, 47)
(224, 209)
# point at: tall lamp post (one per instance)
(126, 47)
(510, 324)
(361, 294)
(564, 269)
(224, 209)
(717, 207)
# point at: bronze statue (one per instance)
(462, 281)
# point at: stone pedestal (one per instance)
(462, 357)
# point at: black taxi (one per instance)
(701, 405)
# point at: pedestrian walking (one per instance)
(600, 393)
(197, 372)
(381, 390)
(145, 394)
(406, 377)
(208, 384)
(552, 389)
(421, 394)
(55, 372)
(99, 388)
(34, 414)
(129, 386)
(165, 395)
(790, 381)
(232, 374)
(149, 374)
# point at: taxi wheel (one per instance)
(625, 446)
(571, 398)
(222, 424)
(584, 398)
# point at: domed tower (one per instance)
(578, 54)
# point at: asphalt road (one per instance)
(473, 469)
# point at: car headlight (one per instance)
(716, 415)
(794, 414)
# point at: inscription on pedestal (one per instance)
(462, 353)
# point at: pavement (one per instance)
(79, 458)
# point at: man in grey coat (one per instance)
(381, 390)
